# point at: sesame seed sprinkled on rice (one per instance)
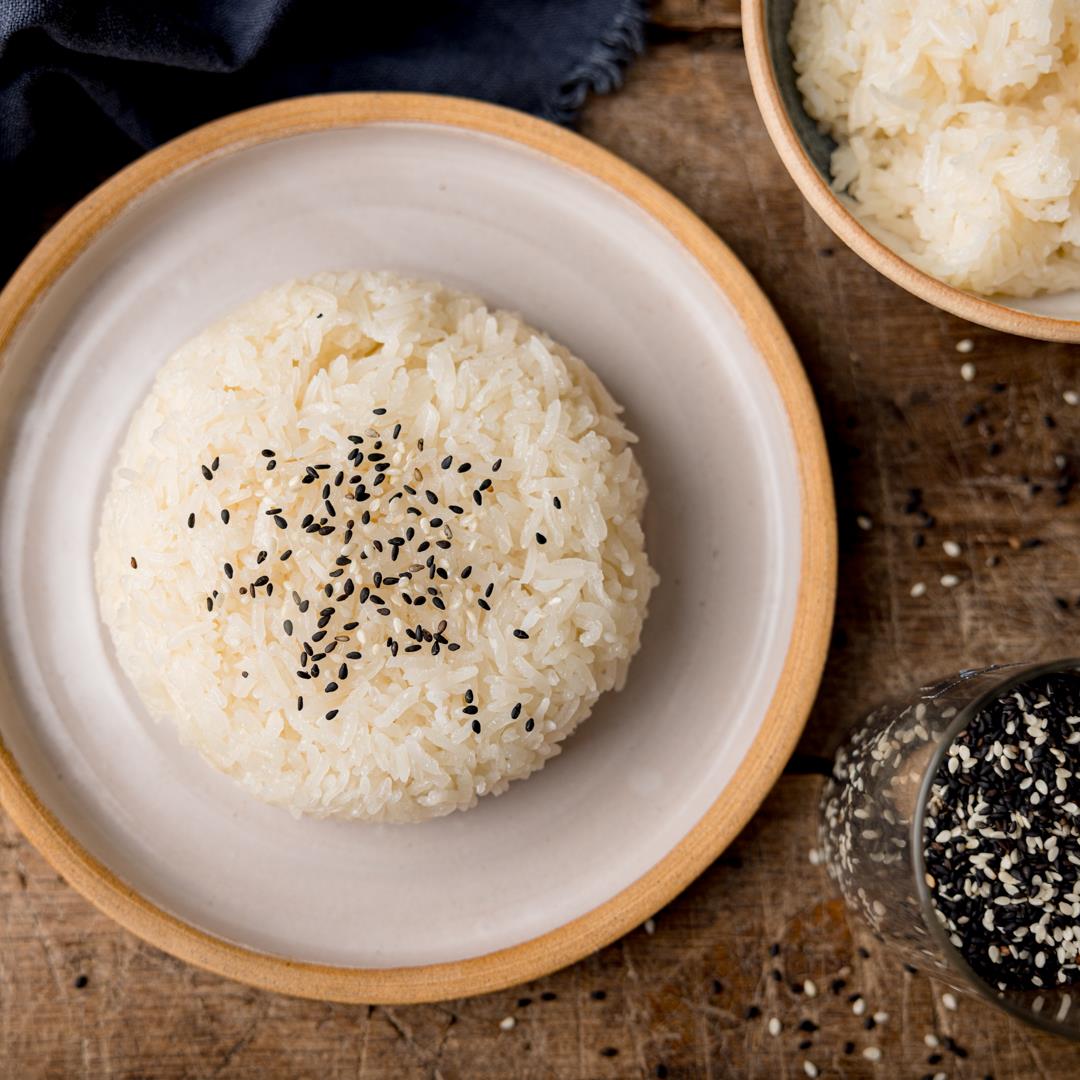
(285, 380)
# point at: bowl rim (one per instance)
(846, 226)
(800, 675)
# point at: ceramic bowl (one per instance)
(740, 526)
(805, 152)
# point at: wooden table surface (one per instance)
(994, 459)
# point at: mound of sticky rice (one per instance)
(373, 548)
(958, 131)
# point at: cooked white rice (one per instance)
(958, 131)
(298, 371)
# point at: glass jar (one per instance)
(874, 812)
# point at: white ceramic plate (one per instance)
(494, 203)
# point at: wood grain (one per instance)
(676, 998)
(886, 374)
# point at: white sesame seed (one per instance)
(949, 581)
(880, 1017)
(931, 1040)
(810, 1069)
(967, 371)
(940, 1076)
(872, 1053)
(810, 988)
(949, 1001)
(965, 345)
(859, 1007)
(774, 1026)
(864, 523)
(507, 1023)
(814, 856)
(918, 589)
(951, 548)
(1071, 397)
(650, 926)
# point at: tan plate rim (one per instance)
(846, 226)
(805, 658)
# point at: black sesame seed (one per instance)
(331, 714)
(260, 558)
(287, 624)
(530, 724)
(557, 503)
(191, 521)
(455, 509)
(485, 484)
(475, 723)
(215, 463)
(483, 604)
(207, 473)
(521, 634)
(224, 517)
(541, 538)
(431, 497)
(379, 412)
(515, 712)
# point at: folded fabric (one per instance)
(86, 87)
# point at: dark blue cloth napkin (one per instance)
(87, 85)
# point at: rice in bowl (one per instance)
(958, 131)
(373, 548)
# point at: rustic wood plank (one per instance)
(676, 997)
(695, 15)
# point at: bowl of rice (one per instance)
(940, 143)
(418, 547)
